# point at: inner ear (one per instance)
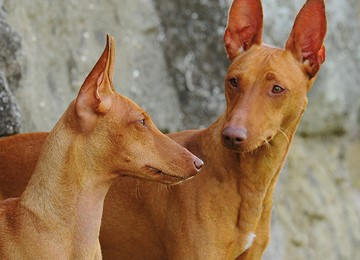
(244, 27)
(306, 40)
(94, 95)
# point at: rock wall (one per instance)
(10, 72)
(62, 40)
(171, 61)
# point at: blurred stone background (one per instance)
(171, 61)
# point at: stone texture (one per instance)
(197, 61)
(10, 72)
(62, 41)
(9, 111)
(10, 45)
(315, 214)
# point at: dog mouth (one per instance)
(251, 148)
(165, 177)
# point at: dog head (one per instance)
(266, 87)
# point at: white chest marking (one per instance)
(249, 241)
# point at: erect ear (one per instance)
(306, 40)
(244, 27)
(93, 98)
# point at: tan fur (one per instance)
(100, 136)
(216, 215)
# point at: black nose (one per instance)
(234, 137)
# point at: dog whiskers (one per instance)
(137, 191)
(302, 108)
(286, 137)
(267, 143)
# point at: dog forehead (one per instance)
(285, 68)
(126, 108)
(257, 58)
(250, 64)
(267, 63)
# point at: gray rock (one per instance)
(316, 210)
(62, 41)
(10, 44)
(9, 111)
(10, 74)
(193, 32)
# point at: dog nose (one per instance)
(198, 163)
(233, 137)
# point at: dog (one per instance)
(224, 212)
(102, 135)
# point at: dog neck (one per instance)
(63, 195)
(254, 173)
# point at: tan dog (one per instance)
(102, 135)
(223, 213)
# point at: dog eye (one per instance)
(142, 121)
(277, 89)
(234, 82)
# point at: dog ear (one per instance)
(306, 40)
(244, 27)
(93, 97)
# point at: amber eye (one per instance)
(142, 121)
(234, 82)
(277, 89)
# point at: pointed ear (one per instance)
(94, 92)
(306, 40)
(244, 27)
